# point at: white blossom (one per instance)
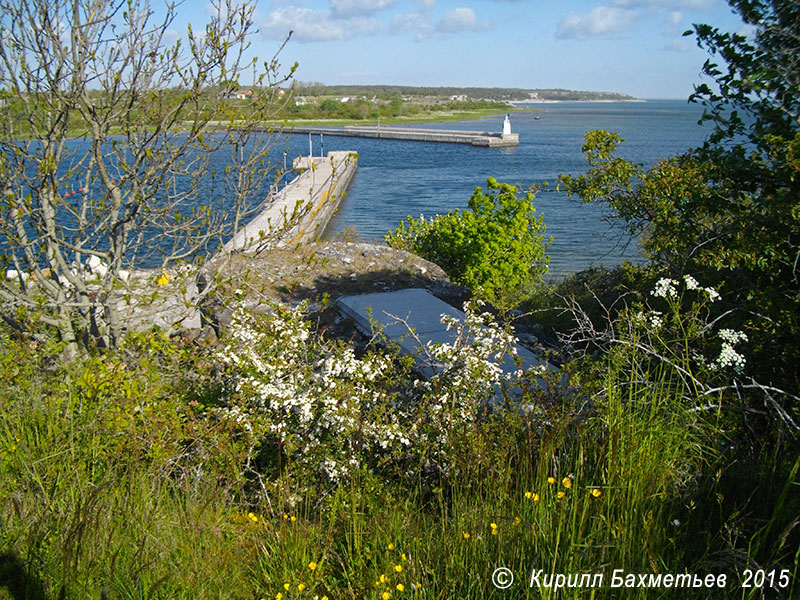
(665, 288)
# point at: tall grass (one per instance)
(117, 474)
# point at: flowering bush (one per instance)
(332, 413)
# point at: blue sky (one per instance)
(629, 46)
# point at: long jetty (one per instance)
(419, 134)
(300, 211)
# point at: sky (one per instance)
(633, 47)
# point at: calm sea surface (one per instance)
(396, 178)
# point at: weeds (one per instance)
(282, 465)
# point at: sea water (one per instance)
(396, 179)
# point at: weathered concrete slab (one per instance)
(412, 318)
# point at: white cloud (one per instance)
(606, 21)
(461, 19)
(667, 4)
(411, 21)
(680, 44)
(311, 25)
(674, 18)
(350, 8)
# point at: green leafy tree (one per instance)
(496, 248)
(729, 210)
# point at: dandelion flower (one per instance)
(566, 482)
(386, 595)
(391, 546)
(596, 493)
(279, 596)
(293, 518)
(551, 480)
(560, 495)
(312, 565)
(466, 535)
(398, 568)
(301, 587)
(286, 586)
(400, 587)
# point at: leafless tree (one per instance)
(108, 119)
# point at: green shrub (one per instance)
(496, 248)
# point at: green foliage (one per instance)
(731, 209)
(497, 248)
(140, 471)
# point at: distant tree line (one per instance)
(499, 94)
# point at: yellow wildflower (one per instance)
(560, 495)
(312, 565)
(551, 480)
(596, 493)
(286, 586)
(279, 596)
(400, 587)
(403, 556)
(398, 568)
(301, 587)
(466, 535)
(535, 498)
(566, 482)
(391, 546)
(163, 279)
(384, 579)
(293, 518)
(386, 595)
(528, 495)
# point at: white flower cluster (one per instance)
(728, 356)
(319, 400)
(667, 288)
(474, 357)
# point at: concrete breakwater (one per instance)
(473, 138)
(302, 209)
